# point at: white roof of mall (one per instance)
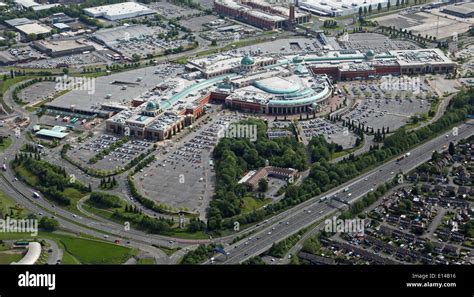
(119, 10)
(33, 254)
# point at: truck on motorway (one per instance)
(4, 167)
(403, 157)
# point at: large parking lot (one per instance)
(286, 46)
(331, 132)
(38, 91)
(148, 45)
(200, 23)
(72, 60)
(392, 113)
(119, 157)
(184, 177)
(376, 42)
(434, 23)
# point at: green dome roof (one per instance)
(151, 105)
(247, 60)
(370, 53)
(297, 59)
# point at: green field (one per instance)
(80, 250)
(146, 261)
(250, 204)
(8, 205)
(96, 252)
(7, 258)
(5, 144)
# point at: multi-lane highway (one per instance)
(315, 210)
(273, 230)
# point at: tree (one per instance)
(389, 5)
(135, 57)
(262, 185)
(379, 7)
(48, 224)
(360, 10)
(31, 37)
(451, 149)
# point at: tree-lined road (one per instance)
(315, 210)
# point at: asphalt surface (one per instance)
(314, 210)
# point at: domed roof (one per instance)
(297, 59)
(151, 105)
(370, 53)
(247, 60)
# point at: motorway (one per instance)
(275, 229)
(314, 210)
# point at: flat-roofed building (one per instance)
(59, 48)
(34, 28)
(462, 10)
(119, 11)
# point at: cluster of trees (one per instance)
(365, 202)
(196, 225)
(144, 163)
(48, 224)
(132, 209)
(31, 148)
(404, 33)
(50, 179)
(330, 24)
(199, 255)
(234, 157)
(118, 67)
(109, 149)
(257, 260)
(105, 200)
(91, 69)
(14, 73)
(108, 183)
(143, 222)
(188, 3)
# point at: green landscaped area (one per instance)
(146, 261)
(6, 142)
(70, 192)
(250, 204)
(108, 213)
(80, 250)
(7, 257)
(6, 84)
(96, 252)
(8, 206)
